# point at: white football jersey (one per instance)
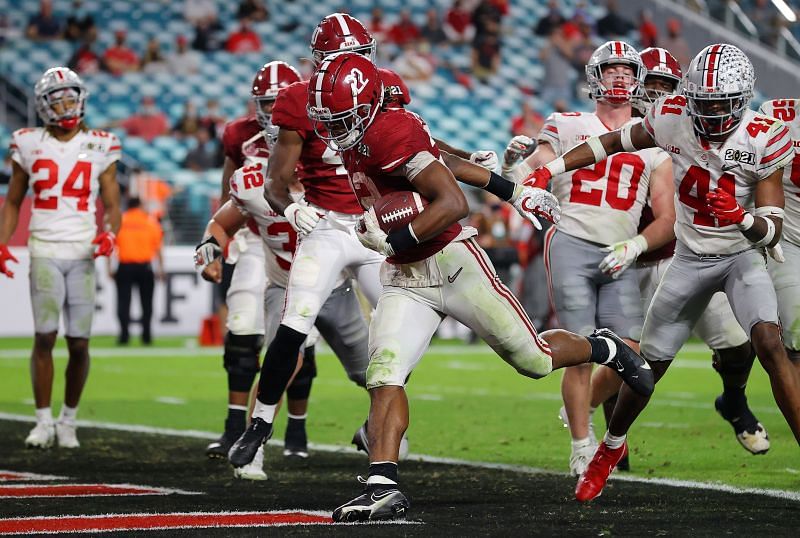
(759, 146)
(64, 179)
(602, 203)
(788, 111)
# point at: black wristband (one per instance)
(500, 187)
(402, 239)
(211, 239)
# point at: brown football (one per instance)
(397, 209)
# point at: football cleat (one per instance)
(632, 368)
(750, 433)
(66, 435)
(253, 470)
(362, 442)
(377, 502)
(219, 449)
(581, 456)
(244, 450)
(295, 443)
(591, 483)
(42, 435)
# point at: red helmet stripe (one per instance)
(618, 48)
(712, 57)
(343, 23)
(60, 74)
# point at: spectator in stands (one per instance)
(648, 31)
(189, 122)
(558, 72)
(432, 31)
(214, 120)
(9, 29)
(552, 20)
(153, 61)
(676, 44)
(254, 10)
(377, 27)
(148, 123)
(485, 57)
(85, 61)
(243, 39)
(613, 25)
(44, 25)
(412, 64)
(487, 19)
(528, 122)
(208, 34)
(583, 45)
(458, 24)
(183, 60)
(404, 30)
(80, 23)
(203, 155)
(199, 12)
(119, 58)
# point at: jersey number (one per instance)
(252, 176)
(331, 157)
(699, 179)
(669, 106)
(594, 197)
(783, 109)
(279, 228)
(81, 171)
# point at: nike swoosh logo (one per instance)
(375, 498)
(453, 278)
(645, 366)
(728, 167)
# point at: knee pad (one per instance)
(733, 360)
(240, 360)
(301, 386)
(279, 364)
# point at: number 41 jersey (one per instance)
(754, 150)
(64, 179)
(603, 203)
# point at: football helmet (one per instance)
(718, 87)
(614, 53)
(268, 80)
(60, 86)
(339, 32)
(344, 95)
(658, 62)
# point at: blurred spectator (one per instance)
(183, 60)
(613, 24)
(199, 12)
(243, 39)
(255, 10)
(153, 61)
(208, 35)
(404, 30)
(213, 120)
(556, 56)
(119, 58)
(44, 25)
(648, 31)
(485, 57)
(552, 20)
(377, 26)
(85, 61)
(583, 45)
(80, 23)
(148, 123)
(458, 24)
(760, 14)
(492, 223)
(487, 19)
(528, 122)
(412, 64)
(502, 6)
(203, 155)
(676, 44)
(9, 30)
(189, 122)
(432, 31)
(5, 169)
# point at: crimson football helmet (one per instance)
(614, 53)
(268, 80)
(60, 86)
(340, 32)
(659, 63)
(344, 95)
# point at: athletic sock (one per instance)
(613, 441)
(602, 349)
(734, 396)
(237, 419)
(296, 422)
(68, 414)
(265, 412)
(44, 415)
(581, 443)
(382, 472)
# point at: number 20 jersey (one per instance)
(64, 179)
(754, 150)
(603, 203)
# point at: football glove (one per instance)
(6, 256)
(723, 205)
(484, 158)
(531, 202)
(539, 178)
(302, 218)
(776, 253)
(370, 235)
(206, 252)
(621, 255)
(519, 147)
(105, 241)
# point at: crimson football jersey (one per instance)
(396, 147)
(244, 142)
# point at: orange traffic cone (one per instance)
(210, 331)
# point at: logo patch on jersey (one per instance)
(673, 149)
(91, 146)
(582, 137)
(395, 90)
(744, 157)
(363, 149)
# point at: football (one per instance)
(398, 209)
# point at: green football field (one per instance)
(465, 404)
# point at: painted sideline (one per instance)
(198, 434)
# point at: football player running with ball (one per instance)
(434, 267)
(728, 164)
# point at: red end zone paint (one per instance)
(14, 476)
(190, 520)
(81, 490)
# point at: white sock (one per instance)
(44, 415)
(238, 407)
(581, 443)
(612, 441)
(297, 417)
(264, 412)
(68, 414)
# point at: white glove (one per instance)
(370, 235)
(622, 255)
(484, 158)
(519, 147)
(302, 218)
(206, 252)
(531, 203)
(776, 253)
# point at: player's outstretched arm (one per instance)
(109, 193)
(484, 158)
(228, 168)
(219, 230)
(9, 214)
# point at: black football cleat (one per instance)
(632, 368)
(295, 443)
(750, 433)
(244, 449)
(377, 502)
(219, 449)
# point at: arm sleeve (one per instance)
(549, 134)
(407, 139)
(778, 151)
(289, 111)
(15, 151)
(114, 150)
(229, 146)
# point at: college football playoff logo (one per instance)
(356, 80)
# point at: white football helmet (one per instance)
(718, 87)
(60, 84)
(614, 53)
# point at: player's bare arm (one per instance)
(447, 202)
(444, 146)
(282, 164)
(228, 168)
(662, 192)
(109, 193)
(219, 230)
(9, 215)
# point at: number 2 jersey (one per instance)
(601, 204)
(64, 177)
(788, 110)
(755, 149)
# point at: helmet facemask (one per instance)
(342, 130)
(655, 87)
(716, 115)
(62, 107)
(614, 88)
(264, 118)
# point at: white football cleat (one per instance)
(581, 456)
(253, 470)
(42, 435)
(66, 435)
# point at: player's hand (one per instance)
(519, 147)
(484, 158)
(621, 255)
(6, 256)
(776, 253)
(302, 218)
(532, 204)
(105, 241)
(370, 235)
(723, 205)
(206, 252)
(212, 272)
(539, 178)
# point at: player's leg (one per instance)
(147, 283)
(786, 279)
(124, 282)
(295, 443)
(366, 271)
